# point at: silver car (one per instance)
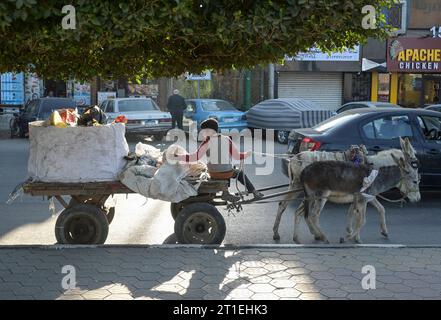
(143, 115)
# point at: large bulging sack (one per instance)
(76, 154)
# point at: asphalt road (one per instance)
(145, 221)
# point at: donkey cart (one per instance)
(85, 218)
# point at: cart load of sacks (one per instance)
(101, 153)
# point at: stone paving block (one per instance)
(322, 275)
(307, 288)
(119, 296)
(265, 296)
(334, 293)
(240, 293)
(260, 279)
(302, 279)
(287, 293)
(261, 287)
(398, 288)
(96, 294)
(312, 296)
(283, 283)
(426, 292)
(298, 271)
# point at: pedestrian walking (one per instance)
(176, 106)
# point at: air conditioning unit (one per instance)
(397, 17)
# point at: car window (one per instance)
(102, 105)
(431, 128)
(334, 122)
(31, 108)
(389, 127)
(217, 105)
(191, 106)
(110, 106)
(136, 105)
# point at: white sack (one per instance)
(76, 154)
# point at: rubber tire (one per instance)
(93, 213)
(207, 208)
(285, 137)
(175, 208)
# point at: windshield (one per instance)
(217, 105)
(48, 106)
(137, 105)
(334, 122)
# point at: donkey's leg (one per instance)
(283, 204)
(349, 217)
(382, 212)
(317, 208)
(300, 211)
(360, 218)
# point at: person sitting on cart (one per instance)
(221, 167)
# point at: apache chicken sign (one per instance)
(414, 55)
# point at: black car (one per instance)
(378, 130)
(434, 107)
(41, 109)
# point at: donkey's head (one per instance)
(410, 178)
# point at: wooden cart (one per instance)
(85, 218)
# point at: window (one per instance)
(387, 128)
(383, 87)
(102, 105)
(431, 128)
(110, 106)
(396, 16)
(31, 109)
(410, 90)
(191, 106)
(217, 105)
(136, 105)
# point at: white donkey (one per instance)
(305, 158)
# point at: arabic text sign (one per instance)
(316, 55)
(203, 76)
(12, 89)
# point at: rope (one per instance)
(401, 200)
(275, 155)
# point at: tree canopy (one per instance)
(153, 38)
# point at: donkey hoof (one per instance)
(296, 240)
(385, 234)
(318, 238)
(276, 237)
(342, 240)
(358, 241)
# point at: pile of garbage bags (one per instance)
(151, 175)
(92, 116)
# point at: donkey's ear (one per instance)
(398, 161)
(403, 144)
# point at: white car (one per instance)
(143, 115)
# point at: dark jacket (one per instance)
(176, 104)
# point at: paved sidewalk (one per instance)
(225, 273)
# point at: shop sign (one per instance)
(12, 88)
(314, 54)
(81, 93)
(104, 95)
(414, 55)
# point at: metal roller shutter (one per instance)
(325, 89)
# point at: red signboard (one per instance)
(414, 55)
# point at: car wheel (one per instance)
(282, 136)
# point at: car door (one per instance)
(430, 160)
(383, 132)
(189, 114)
(109, 110)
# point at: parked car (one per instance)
(224, 112)
(434, 107)
(283, 115)
(379, 130)
(365, 104)
(40, 109)
(143, 115)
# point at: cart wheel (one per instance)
(200, 223)
(175, 208)
(82, 224)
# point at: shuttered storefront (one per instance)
(325, 89)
